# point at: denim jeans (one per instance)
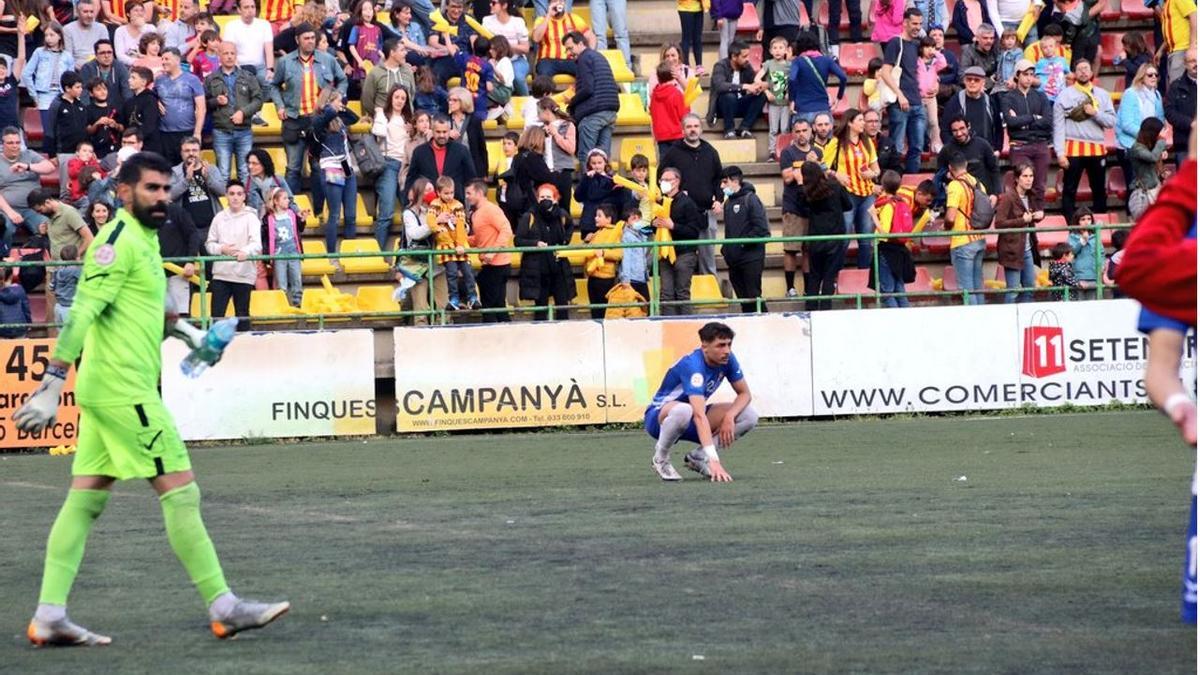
(890, 282)
(32, 220)
(858, 221)
(229, 145)
(552, 67)
(968, 267)
(287, 279)
(907, 129)
(296, 154)
(732, 106)
(1026, 277)
(386, 187)
(520, 74)
(344, 196)
(602, 12)
(461, 273)
(707, 254)
(595, 131)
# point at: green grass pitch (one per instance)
(850, 546)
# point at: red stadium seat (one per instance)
(922, 282)
(749, 21)
(949, 279)
(854, 282)
(783, 141)
(1110, 14)
(49, 180)
(1116, 183)
(854, 57)
(756, 56)
(914, 179)
(1110, 46)
(842, 106)
(33, 126)
(1046, 240)
(936, 245)
(1136, 10)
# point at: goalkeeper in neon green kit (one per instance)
(117, 324)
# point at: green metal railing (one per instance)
(654, 305)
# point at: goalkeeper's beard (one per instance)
(152, 216)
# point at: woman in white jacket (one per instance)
(392, 129)
(237, 232)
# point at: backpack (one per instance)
(981, 210)
(902, 217)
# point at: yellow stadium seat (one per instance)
(368, 265)
(305, 202)
(269, 303)
(310, 303)
(633, 113)
(516, 122)
(224, 19)
(706, 288)
(581, 294)
(363, 126)
(494, 154)
(362, 217)
(195, 306)
(274, 125)
(316, 266)
(638, 145)
(576, 257)
(562, 79)
(735, 151)
(616, 60)
(209, 157)
(279, 159)
(376, 299)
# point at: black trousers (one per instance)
(222, 291)
(822, 276)
(597, 294)
(171, 142)
(1076, 166)
(493, 280)
(835, 20)
(746, 278)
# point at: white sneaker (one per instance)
(63, 633)
(665, 470)
(791, 293)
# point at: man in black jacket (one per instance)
(1181, 107)
(981, 159)
(745, 217)
(596, 99)
(700, 164)
(440, 157)
(734, 93)
(686, 223)
(1030, 120)
(974, 104)
(179, 238)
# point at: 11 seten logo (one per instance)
(1045, 350)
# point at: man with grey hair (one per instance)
(79, 36)
(983, 53)
(182, 97)
(699, 165)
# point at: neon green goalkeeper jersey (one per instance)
(116, 320)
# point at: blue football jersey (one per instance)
(692, 376)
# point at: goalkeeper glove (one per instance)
(41, 409)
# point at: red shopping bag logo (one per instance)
(1043, 354)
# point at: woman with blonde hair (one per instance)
(1139, 102)
(467, 129)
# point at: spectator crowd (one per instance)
(109, 79)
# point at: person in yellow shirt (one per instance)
(548, 33)
(966, 249)
(447, 218)
(893, 214)
(1179, 34)
(850, 158)
(601, 269)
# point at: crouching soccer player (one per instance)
(680, 409)
(117, 323)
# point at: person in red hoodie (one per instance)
(666, 109)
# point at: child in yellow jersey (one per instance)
(892, 214)
(447, 218)
(601, 269)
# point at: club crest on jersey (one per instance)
(697, 380)
(105, 255)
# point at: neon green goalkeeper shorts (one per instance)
(128, 441)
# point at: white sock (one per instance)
(745, 422)
(50, 613)
(222, 606)
(672, 427)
